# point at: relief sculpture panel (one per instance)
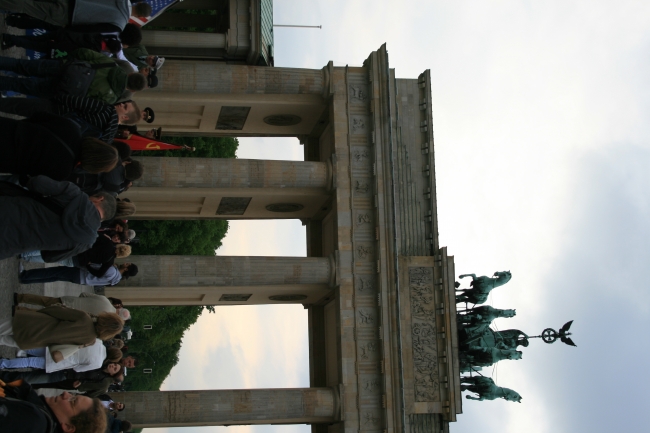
(423, 330)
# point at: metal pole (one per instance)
(291, 25)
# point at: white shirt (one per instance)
(120, 55)
(110, 278)
(84, 359)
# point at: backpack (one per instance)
(78, 76)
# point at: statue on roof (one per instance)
(481, 287)
(484, 315)
(487, 389)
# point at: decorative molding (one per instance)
(423, 330)
(358, 92)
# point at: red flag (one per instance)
(138, 142)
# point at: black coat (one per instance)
(26, 224)
(44, 144)
(101, 253)
(23, 411)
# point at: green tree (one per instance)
(162, 343)
(206, 147)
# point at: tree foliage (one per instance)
(206, 147)
(162, 343)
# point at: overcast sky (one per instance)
(542, 145)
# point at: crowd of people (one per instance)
(63, 168)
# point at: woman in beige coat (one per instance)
(49, 326)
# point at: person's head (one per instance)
(105, 204)
(128, 113)
(131, 35)
(97, 156)
(118, 344)
(128, 270)
(113, 44)
(120, 226)
(148, 115)
(129, 362)
(136, 82)
(123, 149)
(78, 414)
(119, 406)
(115, 301)
(113, 368)
(130, 234)
(117, 238)
(123, 313)
(126, 426)
(124, 209)
(122, 251)
(113, 354)
(155, 62)
(141, 9)
(133, 170)
(108, 325)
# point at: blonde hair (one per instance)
(114, 354)
(122, 250)
(124, 209)
(108, 325)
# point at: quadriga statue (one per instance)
(485, 357)
(487, 389)
(484, 315)
(511, 338)
(481, 287)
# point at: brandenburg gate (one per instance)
(378, 287)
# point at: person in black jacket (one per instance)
(23, 411)
(52, 146)
(94, 118)
(50, 215)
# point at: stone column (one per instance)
(179, 76)
(223, 280)
(206, 98)
(230, 407)
(231, 173)
(205, 188)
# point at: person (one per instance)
(24, 411)
(51, 216)
(115, 425)
(115, 342)
(44, 77)
(115, 180)
(112, 227)
(94, 118)
(129, 362)
(96, 260)
(82, 15)
(124, 208)
(85, 359)
(50, 145)
(92, 382)
(138, 55)
(32, 329)
(88, 302)
(61, 41)
(113, 275)
(110, 404)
